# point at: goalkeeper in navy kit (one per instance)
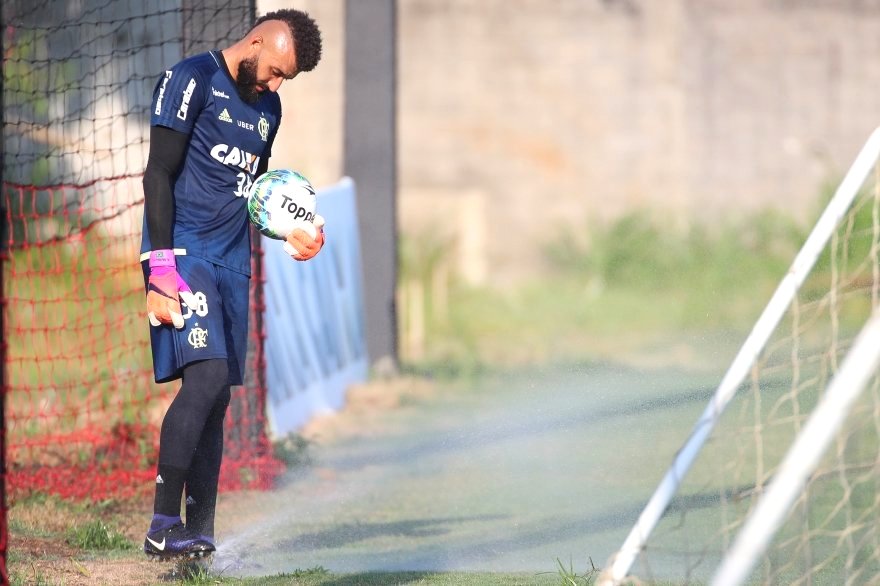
(213, 120)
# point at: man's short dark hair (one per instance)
(306, 36)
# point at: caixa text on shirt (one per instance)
(235, 157)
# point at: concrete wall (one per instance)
(310, 138)
(555, 111)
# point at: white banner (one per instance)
(315, 345)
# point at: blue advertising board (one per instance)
(314, 319)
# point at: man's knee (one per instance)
(206, 381)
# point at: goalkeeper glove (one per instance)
(165, 289)
(304, 243)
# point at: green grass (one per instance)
(628, 286)
(603, 291)
(34, 579)
(94, 538)
(321, 577)
(570, 577)
(623, 288)
(601, 288)
(96, 535)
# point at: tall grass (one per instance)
(637, 280)
(97, 535)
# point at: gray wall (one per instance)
(517, 116)
(566, 109)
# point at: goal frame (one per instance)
(782, 298)
(764, 521)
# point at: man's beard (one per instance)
(246, 81)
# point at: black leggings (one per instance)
(191, 444)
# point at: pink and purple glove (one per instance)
(165, 289)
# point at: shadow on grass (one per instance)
(349, 533)
(575, 417)
(373, 578)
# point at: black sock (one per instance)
(169, 487)
(203, 383)
(201, 483)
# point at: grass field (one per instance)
(452, 483)
(60, 542)
(524, 461)
(603, 291)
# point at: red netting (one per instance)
(82, 412)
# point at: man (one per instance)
(213, 120)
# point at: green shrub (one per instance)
(97, 535)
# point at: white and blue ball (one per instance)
(280, 201)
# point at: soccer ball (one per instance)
(280, 201)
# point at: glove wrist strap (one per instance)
(162, 258)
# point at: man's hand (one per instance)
(165, 288)
(305, 243)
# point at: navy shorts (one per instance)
(216, 328)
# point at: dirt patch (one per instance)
(41, 547)
(39, 551)
(40, 560)
(73, 570)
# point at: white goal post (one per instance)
(857, 369)
(751, 349)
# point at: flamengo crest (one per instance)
(263, 128)
(198, 337)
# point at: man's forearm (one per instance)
(167, 152)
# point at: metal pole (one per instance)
(370, 160)
(857, 369)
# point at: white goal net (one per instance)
(778, 481)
